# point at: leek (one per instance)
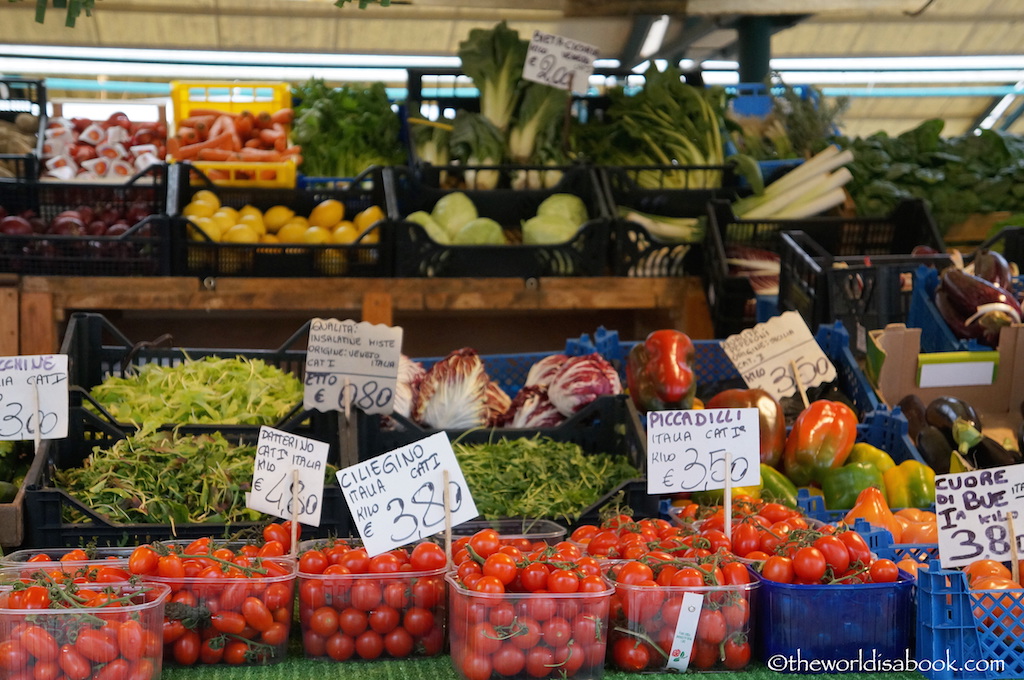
(809, 189)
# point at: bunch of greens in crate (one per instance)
(345, 130)
(666, 123)
(538, 477)
(15, 459)
(166, 478)
(955, 176)
(211, 390)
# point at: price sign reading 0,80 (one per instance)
(34, 397)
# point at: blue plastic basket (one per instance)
(967, 631)
(935, 333)
(836, 622)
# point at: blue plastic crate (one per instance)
(836, 622)
(935, 333)
(967, 630)
(766, 306)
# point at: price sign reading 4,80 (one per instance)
(976, 512)
(686, 450)
(34, 397)
(353, 362)
(288, 476)
(398, 497)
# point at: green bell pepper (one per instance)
(776, 486)
(866, 453)
(911, 484)
(842, 485)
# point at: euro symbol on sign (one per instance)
(368, 530)
(258, 485)
(319, 396)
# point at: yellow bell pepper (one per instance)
(911, 484)
(866, 453)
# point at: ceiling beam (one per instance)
(638, 30)
(618, 8)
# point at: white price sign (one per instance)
(288, 476)
(398, 497)
(973, 510)
(34, 397)
(559, 62)
(686, 450)
(351, 362)
(767, 354)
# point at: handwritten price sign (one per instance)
(765, 355)
(973, 508)
(686, 449)
(276, 489)
(398, 497)
(34, 397)
(351, 362)
(559, 62)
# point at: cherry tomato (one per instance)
(778, 568)
(211, 651)
(809, 564)
(534, 576)
(353, 621)
(369, 645)
(485, 542)
(339, 647)
(143, 560)
(74, 665)
(186, 648)
(884, 571)
(502, 567)
(856, 546)
(540, 662)
(419, 621)
(96, 646)
(837, 557)
(313, 562)
(256, 614)
(39, 643)
(228, 622)
(509, 660)
(476, 667)
(386, 563)
(366, 595)
(427, 556)
(563, 581)
(276, 635)
(324, 621)
(384, 619)
(13, 657)
(737, 653)
(236, 653)
(398, 643)
(170, 566)
(629, 654)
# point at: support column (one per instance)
(755, 47)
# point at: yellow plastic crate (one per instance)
(229, 97)
(251, 174)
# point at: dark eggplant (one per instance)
(993, 267)
(942, 412)
(913, 409)
(935, 448)
(989, 453)
(973, 307)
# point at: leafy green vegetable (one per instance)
(345, 130)
(476, 141)
(548, 229)
(568, 206)
(452, 211)
(542, 107)
(210, 390)
(494, 59)
(538, 477)
(483, 231)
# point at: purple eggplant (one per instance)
(973, 307)
(993, 267)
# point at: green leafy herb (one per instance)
(538, 477)
(494, 59)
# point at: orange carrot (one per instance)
(263, 120)
(226, 124)
(210, 112)
(253, 143)
(188, 135)
(283, 116)
(196, 121)
(270, 137)
(280, 144)
(260, 155)
(215, 175)
(244, 124)
(192, 150)
(173, 144)
(218, 155)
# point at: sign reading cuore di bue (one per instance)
(973, 510)
(398, 497)
(34, 397)
(288, 476)
(353, 362)
(686, 450)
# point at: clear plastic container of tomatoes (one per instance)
(527, 634)
(645, 615)
(354, 607)
(523, 533)
(226, 606)
(113, 632)
(89, 565)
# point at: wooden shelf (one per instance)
(45, 302)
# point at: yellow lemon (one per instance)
(224, 220)
(291, 233)
(368, 217)
(276, 217)
(228, 210)
(327, 213)
(199, 209)
(208, 226)
(248, 209)
(241, 233)
(315, 235)
(254, 221)
(269, 238)
(206, 196)
(300, 220)
(344, 233)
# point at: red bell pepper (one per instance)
(822, 437)
(772, 419)
(659, 372)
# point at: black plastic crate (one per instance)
(143, 250)
(609, 424)
(20, 95)
(865, 293)
(664, 191)
(730, 297)
(206, 258)
(416, 254)
(47, 507)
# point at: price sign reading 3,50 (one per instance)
(34, 397)
(398, 497)
(288, 476)
(351, 363)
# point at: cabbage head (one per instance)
(483, 231)
(568, 206)
(434, 230)
(548, 229)
(453, 211)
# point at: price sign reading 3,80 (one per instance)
(288, 476)
(398, 497)
(34, 397)
(976, 511)
(351, 363)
